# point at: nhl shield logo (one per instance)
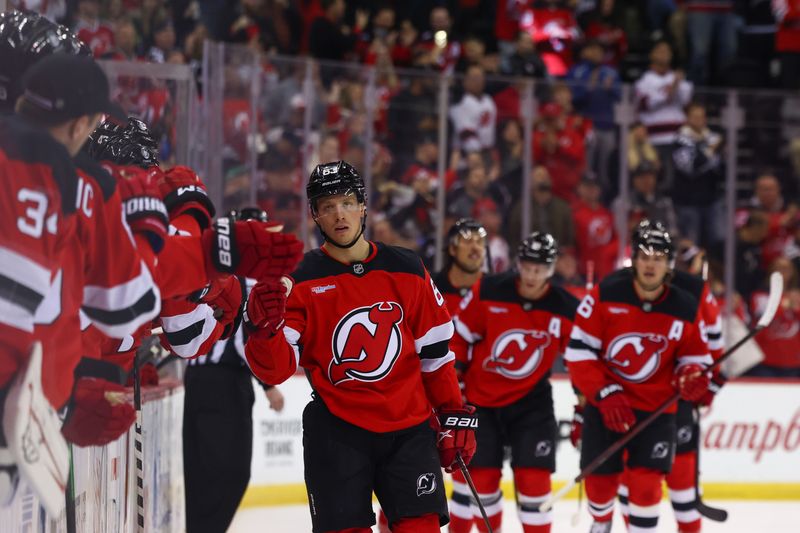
(636, 356)
(517, 353)
(426, 484)
(366, 343)
(358, 269)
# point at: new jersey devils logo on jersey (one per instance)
(517, 353)
(366, 343)
(636, 356)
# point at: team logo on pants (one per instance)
(517, 353)
(636, 356)
(543, 448)
(660, 450)
(684, 434)
(426, 484)
(366, 343)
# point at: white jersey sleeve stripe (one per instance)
(465, 332)
(589, 340)
(436, 334)
(575, 356)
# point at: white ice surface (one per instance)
(743, 517)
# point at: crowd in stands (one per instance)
(580, 52)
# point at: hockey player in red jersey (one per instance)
(681, 478)
(516, 323)
(370, 328)
(634, 341)
(466, 252)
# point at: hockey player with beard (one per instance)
(371, 330)
(635, 340)
(466, 251)
(516, 323)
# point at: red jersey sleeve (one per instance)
(694, 349)
(470, 325)
(190, 329)
(584, 348)
(432, 329)
(709, 309)
(275, 359)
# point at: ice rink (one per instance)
(743, 517)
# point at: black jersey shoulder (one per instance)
(618, 288)
(104, 179)
(689, 282)
(22, 141)
(442, 281)
(503, 288)
(317, 264)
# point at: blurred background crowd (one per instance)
(672, 59)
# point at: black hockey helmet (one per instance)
(652, 237)
(249, 213)
(24, 39)
(131, 144)
(538, 247)
(329, 179)
(462, 228)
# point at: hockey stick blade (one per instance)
(463, 467)
(774, 299)
(712, 513)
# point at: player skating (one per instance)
(516, 323)
(635, 339)
(371, 330)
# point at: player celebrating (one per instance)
(634, 340)
(516, 323)
(466, 252)
(370, 328)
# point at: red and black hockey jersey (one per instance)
(372, 335)
(514, 340)
(618, 338)
(452, 295)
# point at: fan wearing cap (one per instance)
(509, 329)
(371, 330)
(636, 339)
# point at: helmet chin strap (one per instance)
(349, 244)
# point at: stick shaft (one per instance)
(463, 467)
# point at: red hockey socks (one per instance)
(601, 489)
(644, 487)
(428, 523)
(682, 492)
(487, 483)
(533, 488)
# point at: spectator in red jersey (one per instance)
(96, 33)
(595, 238)
(767, 196)
(787, 41)
(604, 25)
(574, 121)
(561, 150)
(554, 30)
(125, 41)
(437, 47)
(780, 341)
(549, 214)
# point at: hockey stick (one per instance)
(72, 524)
(463, 467)
(712, 513)
(775, 294)
(137, 443)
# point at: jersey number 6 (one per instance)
(586, 306)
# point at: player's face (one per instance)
(340, 217)
(651, 269)
(469, 251)
(533, 277)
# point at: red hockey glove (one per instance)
(455, 433)
(143, 208)
(100, 413)
(227, 297)
(691, 381)
(250, 248)
(615, 409)
(184, 192)
(265, 308)
(713, 388)
(577, 427)
(148, 376)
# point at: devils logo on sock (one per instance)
(366, 343)
(636, 356)
(516, 354)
